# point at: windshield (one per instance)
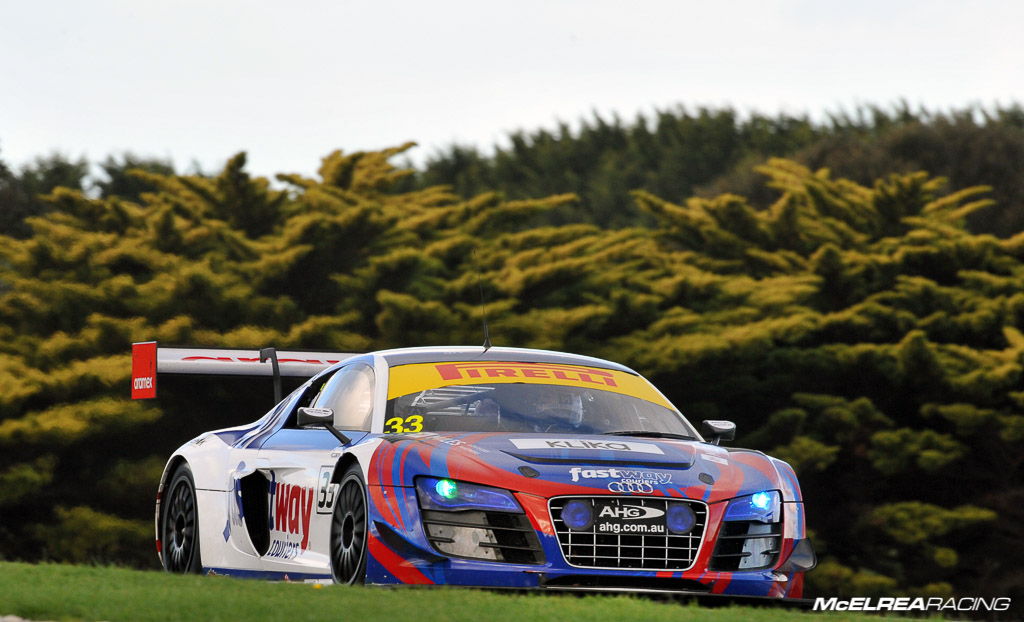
(525, 397)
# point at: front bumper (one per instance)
(400, 552)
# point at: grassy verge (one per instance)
(59, 592)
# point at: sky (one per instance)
(196, 81)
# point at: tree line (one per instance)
(860, 331)
(866, 330)
(677, 153)
(673, 153)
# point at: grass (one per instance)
(61, 592)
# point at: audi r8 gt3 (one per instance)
(475, 466)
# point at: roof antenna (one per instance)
(483, 312)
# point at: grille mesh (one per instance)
(591, 549)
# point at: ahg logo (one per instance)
(629, 512)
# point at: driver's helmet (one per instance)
(559, 403)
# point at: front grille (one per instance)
(589, 548)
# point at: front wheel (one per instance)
(179, 524)
(348, 530)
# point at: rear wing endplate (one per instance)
(148, 360)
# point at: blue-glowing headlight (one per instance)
(446, 488)
(444, 494)
(760, 500)
(578, 514)
(764, 506)
(679, 518)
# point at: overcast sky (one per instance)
(200, 80)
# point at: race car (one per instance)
(474, 466)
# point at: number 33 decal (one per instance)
(398, 425)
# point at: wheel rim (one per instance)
(180, 527)
(348, 533)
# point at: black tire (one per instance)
(349, 529)
(179, 524)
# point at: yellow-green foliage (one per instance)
(860, 333)
(84, 535)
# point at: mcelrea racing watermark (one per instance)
(911, 604)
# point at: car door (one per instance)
(299, 465)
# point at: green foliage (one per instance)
(83, 535)
(21, 191)
(805, 454)
(122, 178)
(835, 579)
(26, 478)
(860, 332)
(913, 522)
(896, 451)
(677, 153)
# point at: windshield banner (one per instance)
(406, 379)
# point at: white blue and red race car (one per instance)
(471, 466)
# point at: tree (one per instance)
(21, 193)
(860, 332)
(122, 182)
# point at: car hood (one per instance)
(560, 464)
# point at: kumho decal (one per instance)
(459, 371)
(569, 443)
(291, 508)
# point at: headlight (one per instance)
(446, 494)
(578, 515)
(761, 506)
(476, 522)
(751, 534)
(680, 518)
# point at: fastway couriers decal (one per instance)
(407, 379)
(572, 443)
(624, 480)
(291, 508)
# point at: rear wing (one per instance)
(149, 360)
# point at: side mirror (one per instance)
(314, 416)
(718, 430)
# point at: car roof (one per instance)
(409, 356)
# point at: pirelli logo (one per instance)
(416, 377)
(588, 375)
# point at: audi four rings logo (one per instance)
(639, 487)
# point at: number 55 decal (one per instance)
(325, 490)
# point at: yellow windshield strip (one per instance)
(406, 379)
